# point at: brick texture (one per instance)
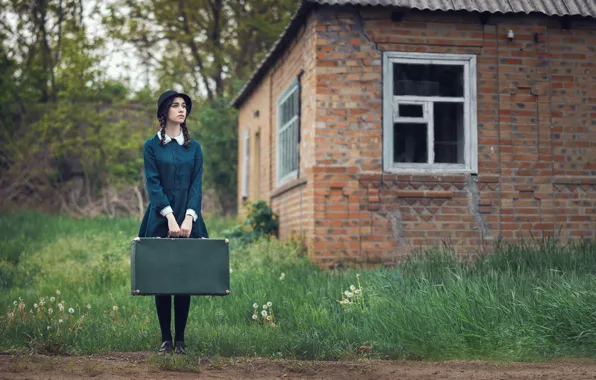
(536, 136)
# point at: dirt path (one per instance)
(143, 365)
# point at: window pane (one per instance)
(449, 133)
(410, 142)
(295, 145)
(428, 80)
(411, 110)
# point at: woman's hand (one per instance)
(173, 228)
(186, 227)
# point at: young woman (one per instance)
(174, 174)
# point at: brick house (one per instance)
(374, 127)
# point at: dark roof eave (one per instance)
(286, 38)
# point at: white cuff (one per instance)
(192, 213)
(166, 210)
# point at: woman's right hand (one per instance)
(173, 227)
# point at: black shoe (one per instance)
(166, 347)
(180, 348)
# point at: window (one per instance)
(245, 160)
(288, 131)
(429, 112)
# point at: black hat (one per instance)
(169, 93)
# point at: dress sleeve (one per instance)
(195, 192)
(153, 180)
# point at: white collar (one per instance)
(179, 138)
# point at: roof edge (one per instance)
(286, 37)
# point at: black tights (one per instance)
(164, 315)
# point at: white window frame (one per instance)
(291, 90)
(245, 165)
(391, 108)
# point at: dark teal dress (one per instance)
(174, 177)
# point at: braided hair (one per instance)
(163, 118)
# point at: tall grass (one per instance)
(521, 303)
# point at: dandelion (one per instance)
(357, 291)
(15, 303)
(264, 313)
(273, 324)
(283, 275)
(346, 293)
(255, 305)
(352, 287)
(254, 316)
(60, 307)
(50, 311)
(35, 306)
(89, 306)
(268, 317)
(115, 308)
(60, 320)
(350, 294)
(31, 311)
(71, 310)
(48, 327)
(57, 292)
(52, 299)
(42, 302)
(357, 275)
(269, 304)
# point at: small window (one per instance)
(429, 112)
(245, 161)
(288, 129)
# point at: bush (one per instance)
(260, 221)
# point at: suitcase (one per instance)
(180, 266)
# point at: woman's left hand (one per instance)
(186, 226)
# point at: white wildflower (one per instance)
(15, 303)
(350, 294)
(31, 311)
(35, 306)
(48, 327)
(58, 292)
(255, 305)
(269, 304)
(254, 316)
(71, 310)
(264, 313)
(352, 287)
(357, 275)
(357, 291)
(273, 324)
(346, 292)
(60, 320)
(42, 302)
(50, 311)
(268, 317)
(264, 307)
(89, 306)
(283, 275)
(52, 299)
(60, 307)
(115, 308)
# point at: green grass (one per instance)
(522, 303)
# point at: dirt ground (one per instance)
(145, 365)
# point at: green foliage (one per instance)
(260, 222)
(217, 133)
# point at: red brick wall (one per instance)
(536, 136)
(293, 201)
